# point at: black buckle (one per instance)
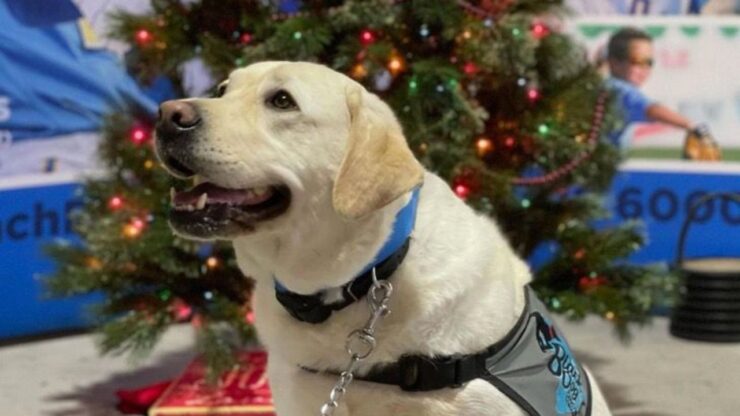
(424, 374)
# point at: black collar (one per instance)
(312, 309)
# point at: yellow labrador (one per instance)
(309, 174)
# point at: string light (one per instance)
(143, 37)
(115, 203)
(509, 141)
(148, 164)
(93, 263)
(413, 85)
(245, 38)
(516, 31)
(367, 37)
(470, 68)
(484, 145)
(297, 35)
(610, 315)
(539, 30)
(543, 129)
(359, 71)
(165, 295)
(521, 82)
(467, 35)
(424, 31)
(139, 134)
(212, 262)
(526, 203)
(533, 94)
(396, 64)
(134, 228)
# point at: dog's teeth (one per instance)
(172, 196)
(260, 191)
(201, 201)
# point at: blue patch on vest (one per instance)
(570, 395)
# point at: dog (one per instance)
(307, 173)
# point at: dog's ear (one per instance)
(378, 165)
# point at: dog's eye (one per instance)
(282, 101)
(221, 90)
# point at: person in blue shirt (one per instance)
(630, 60)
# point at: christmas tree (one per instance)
(491, 94)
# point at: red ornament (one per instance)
(115, 203)
(470, 68)
(143, 37)
(539, 30)
(462, 191)
(367, 37)
(140, 134)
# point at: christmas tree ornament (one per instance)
(462, 190)
(382, 80)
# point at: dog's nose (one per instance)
(177, 115)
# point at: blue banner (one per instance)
(32, 215)
(659, 193)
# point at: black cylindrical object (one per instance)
(709, 308)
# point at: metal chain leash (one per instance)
(360, 342)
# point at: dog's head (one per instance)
(279, 138)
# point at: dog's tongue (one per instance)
(218, 195)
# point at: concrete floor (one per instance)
(655, 375)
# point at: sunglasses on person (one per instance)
(645, 63)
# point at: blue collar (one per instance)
(308, 307)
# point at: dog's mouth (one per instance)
(211, 211)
